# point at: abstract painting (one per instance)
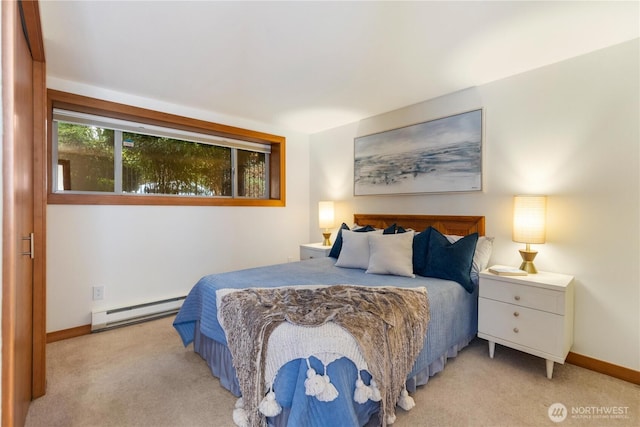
(438, 156)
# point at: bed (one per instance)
(451, 288)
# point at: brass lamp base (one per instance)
(527, 261)
(327, 240)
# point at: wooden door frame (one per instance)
(33, 28)
(33, 32)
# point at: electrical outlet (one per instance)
(98, 292)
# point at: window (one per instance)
(90, 151)
(106, 157)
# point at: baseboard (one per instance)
(68, 333)
(606, 368)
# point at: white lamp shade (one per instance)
(529, 217)
(325, 214)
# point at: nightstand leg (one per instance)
(492, 348)
(549, 368)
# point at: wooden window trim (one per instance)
(83, 104)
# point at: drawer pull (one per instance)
(516, 314)
(517, 298)
(516, 330)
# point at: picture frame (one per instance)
(442, 155)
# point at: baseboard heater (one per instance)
(117, 317)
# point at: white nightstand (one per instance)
(313, 250)
(532, 313)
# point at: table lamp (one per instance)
(326, 220)
(529, 215)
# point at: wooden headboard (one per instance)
(446, 224)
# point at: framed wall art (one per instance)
(438, 156)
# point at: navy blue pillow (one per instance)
(337, 245)
(420, 248)
(394, 229)
(390, 229)
(451, 261)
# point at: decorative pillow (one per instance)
(337, 245)
(391, 254)
(390, 229)
(394, 229)
(355, 249)
(420, 248)
(484, 247)
(451, 261)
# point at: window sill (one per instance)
(149, 200)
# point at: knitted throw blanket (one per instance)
(388, 323)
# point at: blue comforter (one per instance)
(453, 324)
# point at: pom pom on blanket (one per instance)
(405, 401)
(240, 417)
(319, 385)
(329, 392)
(362, 393)
(314, 384)
(269, 405)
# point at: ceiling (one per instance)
(311, 66)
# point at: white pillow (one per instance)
(355, 249)
(483, 253)
(391, 254)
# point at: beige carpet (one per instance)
(141, 375)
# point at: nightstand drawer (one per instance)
(521, 325)
(523, 295)
(314, 250)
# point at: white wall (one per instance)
(145, 253)
(569, 130)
